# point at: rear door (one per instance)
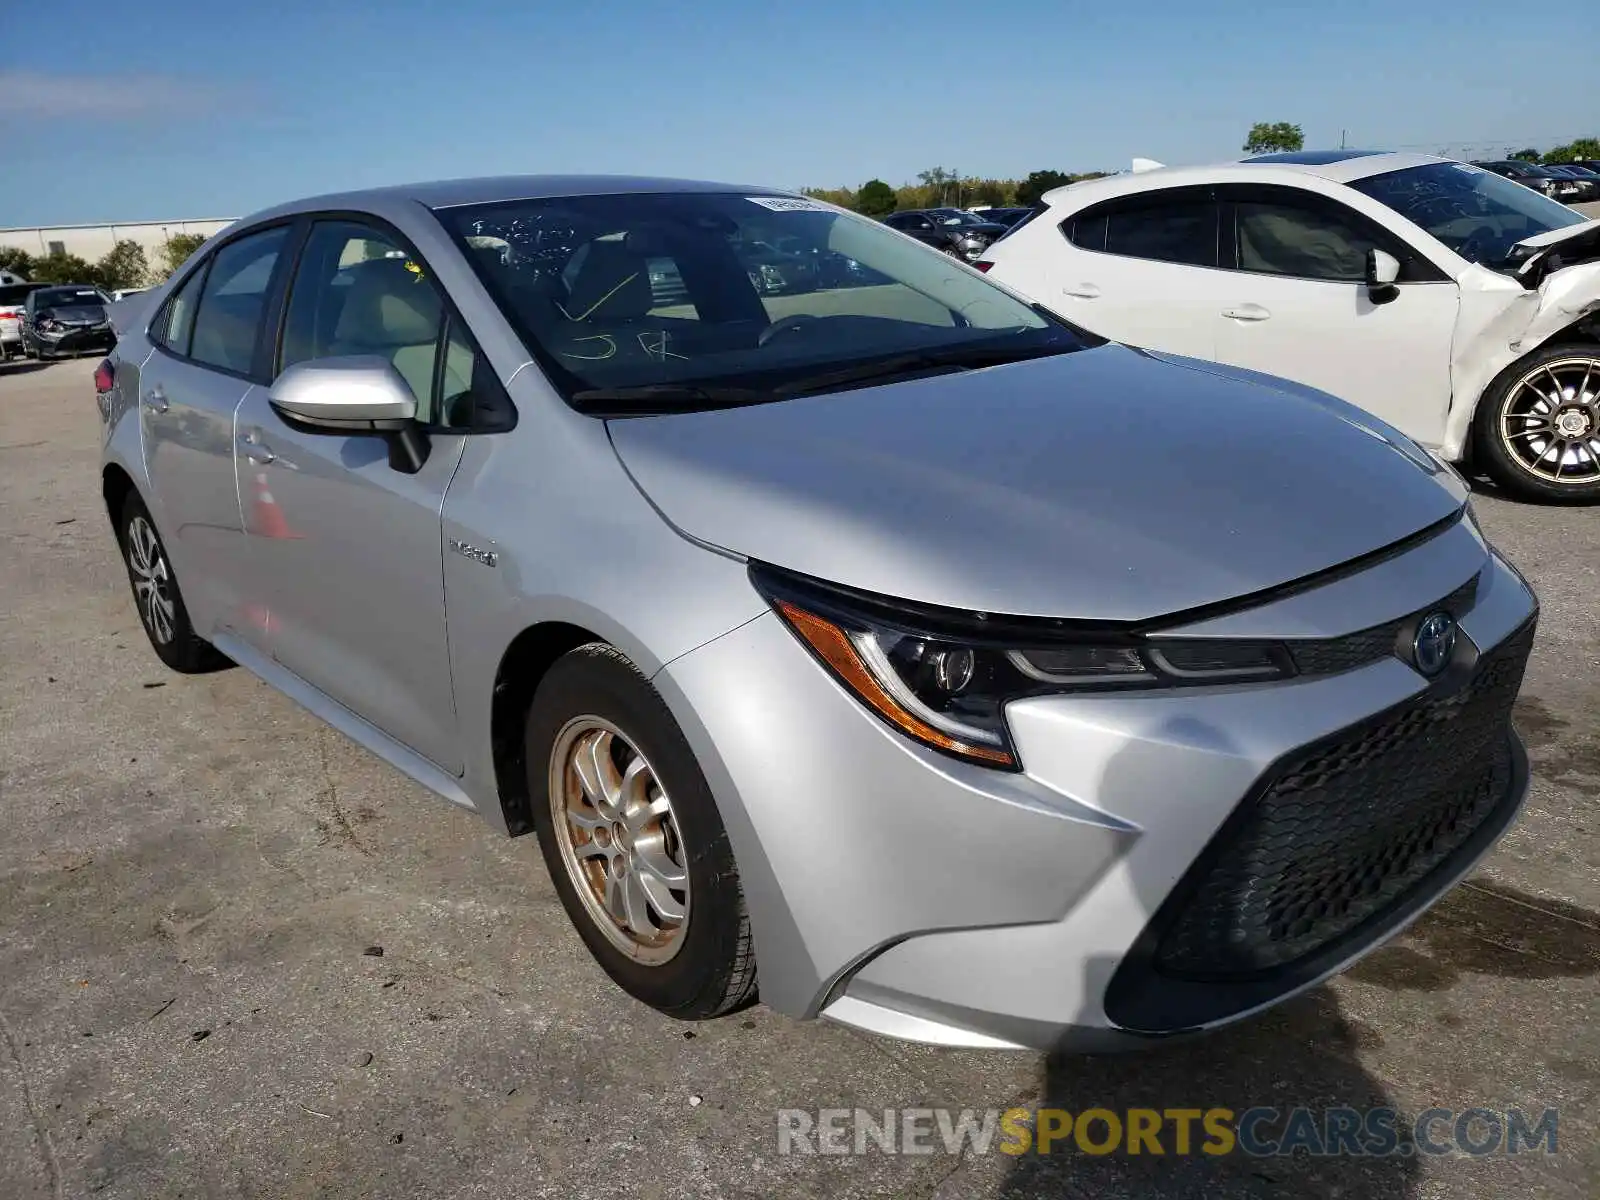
(1296, 304)
(207, 340)
(1140, 269)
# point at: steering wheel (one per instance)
(783, 325)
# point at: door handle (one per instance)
(254, 450)
(156, 400)
(1082, 291)
(1247, 312)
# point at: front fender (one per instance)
(1500, 322)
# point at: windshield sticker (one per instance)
(788, 204)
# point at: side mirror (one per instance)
(353, 395)
(1383, 269)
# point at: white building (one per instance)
(93, 242)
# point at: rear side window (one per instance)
(177, 323)
(227, 323)
(1170, 227)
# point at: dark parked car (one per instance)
(957, 232)
(1009, 217)
(1540, 179)
(70, 319)
(1586, 179)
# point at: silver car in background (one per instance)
(962, 676)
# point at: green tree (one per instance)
(1583, 148)
(16, 260)
(1038, 183)
(876, 198)
(938, 183)
(179, 249)
(1528, 155)
(124, 267)
(842, 196)
(1267, 137)
(62, 268)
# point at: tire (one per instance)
(157, 597)
(699, 967)
(1508, 422)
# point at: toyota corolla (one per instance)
(947, 670)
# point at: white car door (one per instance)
(1297, 305)
(1139, 269)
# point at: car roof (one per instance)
(451, 193)
(1335, 166)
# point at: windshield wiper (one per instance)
(664, 397)
(955, 358)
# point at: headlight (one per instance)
(48, 326)
(944, 677)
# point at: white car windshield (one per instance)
(1476, 213)
(664, 295)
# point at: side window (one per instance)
(227, 322)
(177, 322)
(359, 291)
(1174, 229)
(1306, 239)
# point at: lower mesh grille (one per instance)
(1346, 829)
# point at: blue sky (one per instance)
(177, 112)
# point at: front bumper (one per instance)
(908, 893)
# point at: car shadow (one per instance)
(22, 366)
(1304, 1053)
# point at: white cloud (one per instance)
(100, 97)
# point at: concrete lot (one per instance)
(192, 872)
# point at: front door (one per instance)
(350, 548)
(1297, 306)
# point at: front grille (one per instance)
(1332, 655)
(1347, 828)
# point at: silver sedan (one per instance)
(959, 675)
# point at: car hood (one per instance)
(1108, 484)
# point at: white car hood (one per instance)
(1567, 233)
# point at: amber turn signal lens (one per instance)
(834, 647)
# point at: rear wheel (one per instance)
(158, 598)
(1538, 425)
(633, 840)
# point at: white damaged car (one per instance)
(1455, 304)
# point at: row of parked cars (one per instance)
(1571, 183)
(914, 652)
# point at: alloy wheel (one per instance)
(1550, 421)
(619, 839)
(152, 580)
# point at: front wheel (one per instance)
(633, 839)
(1538, 425)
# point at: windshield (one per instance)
(1478, 214)
(673, 292)
(16, 293)
(67, 297)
